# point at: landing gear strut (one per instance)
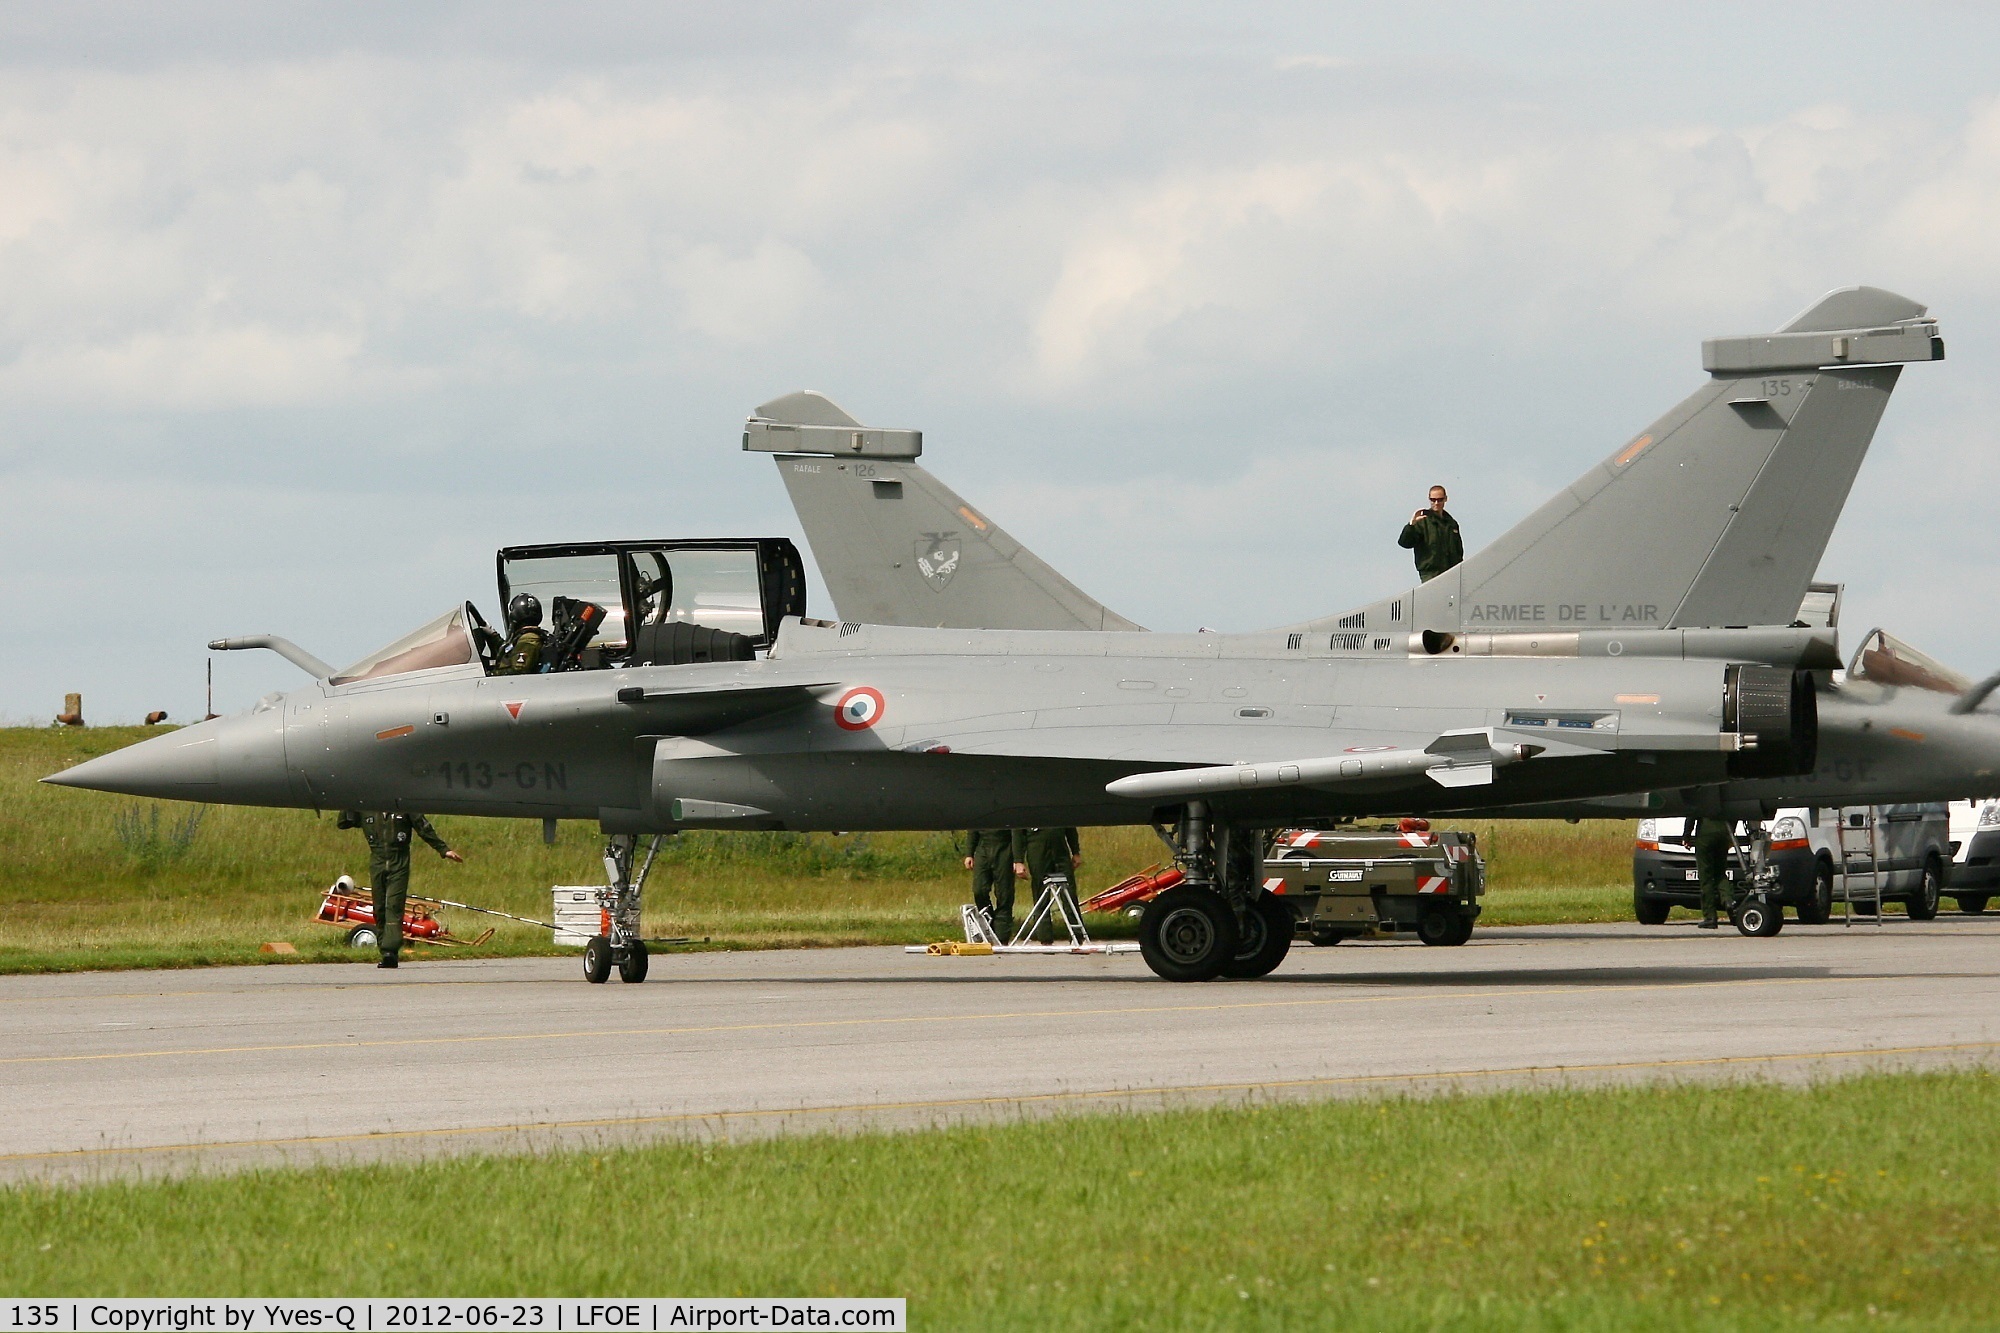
(618, 902)
(1218, 921)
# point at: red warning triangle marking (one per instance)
(513, 707)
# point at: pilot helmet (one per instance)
(524, 610)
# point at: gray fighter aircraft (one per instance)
(687, 689)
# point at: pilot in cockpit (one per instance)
(521, 655)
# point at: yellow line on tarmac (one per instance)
(910, 1019)
(1022, 1099)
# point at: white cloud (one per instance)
(200, 369)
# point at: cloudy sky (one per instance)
(306, 309)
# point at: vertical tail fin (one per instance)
(1716, 514)
(897, 546)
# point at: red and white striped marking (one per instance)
(1275, 885)
(860, 708)
(1419, 839)
(1433, 884)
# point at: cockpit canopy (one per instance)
(660, 595)
(663, 603)
(1885, 659)
(445, 642)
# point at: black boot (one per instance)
(388, 960)
(1707, 921)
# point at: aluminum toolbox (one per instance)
(577, 916)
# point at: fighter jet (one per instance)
(686, 689)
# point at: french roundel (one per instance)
(859, 709)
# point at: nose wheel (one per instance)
(597, 960)
(1758, 918)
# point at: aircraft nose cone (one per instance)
(182, 765)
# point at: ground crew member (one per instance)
(1433, 535)
(1711, 861)
(389, 868)
(989, 855)
(1041, 852)
(521, 655)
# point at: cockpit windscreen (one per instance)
(446, 641)
(1886, 660)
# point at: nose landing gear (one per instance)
(619, 900)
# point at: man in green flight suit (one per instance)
(388, 837)
(521, 655)
(989, 855)
(1433, 535)
(1041, 852)
(1711, 861)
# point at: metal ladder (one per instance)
(1859, 836)
(1057, 899)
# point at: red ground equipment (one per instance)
(1130, 892)
(354, 908)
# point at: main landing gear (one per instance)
(618, 900)
(1219, 921)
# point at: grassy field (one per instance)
(89, 880)
(1743, 1206)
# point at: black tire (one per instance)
(1188, 934)
(1758, 918)
(1266, 937)
(1326, 939)
(597, 960)
(1819, 910)
(1649, 910)
(1972, 904)
(632, 967)
(1922, 905)
(1461, 930)
(1437, 927)
(363, 937)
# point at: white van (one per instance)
(1915, 843)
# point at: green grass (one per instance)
(89, 880)
(1739, 1206)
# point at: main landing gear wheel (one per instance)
(597, 960)
(363, 937)
(1266, 937)
(1188, 934)
(632, 967)
(1760, 919)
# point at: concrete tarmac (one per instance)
(124, 1073)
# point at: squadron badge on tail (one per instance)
(937, 558)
